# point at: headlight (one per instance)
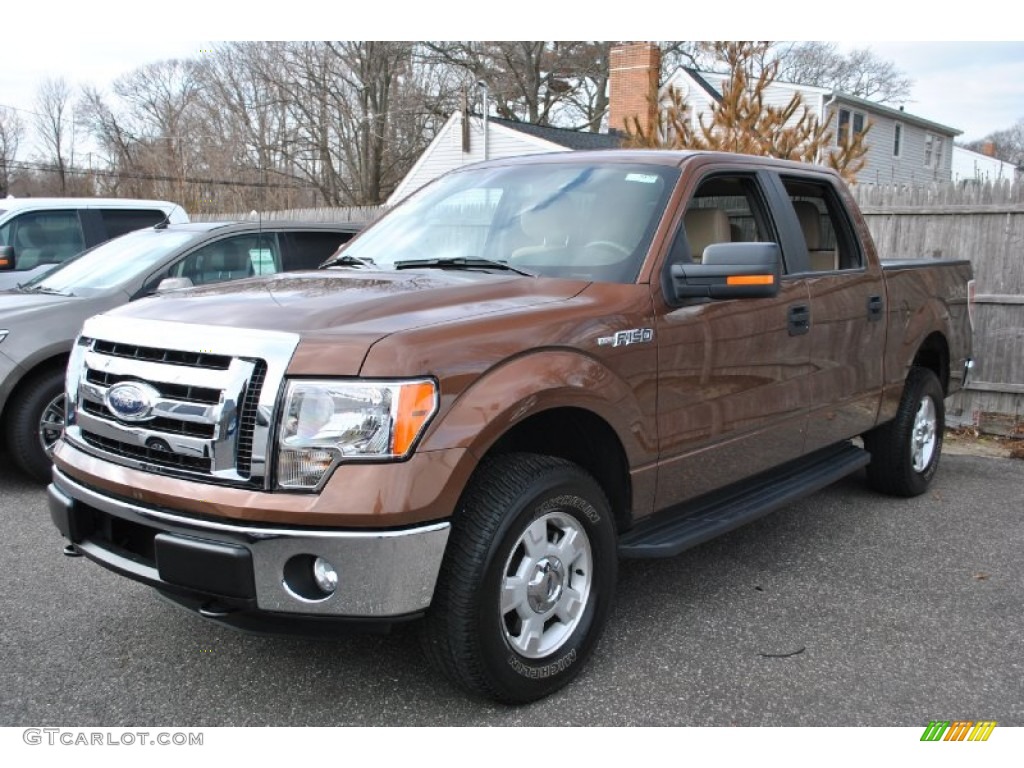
(326, 422)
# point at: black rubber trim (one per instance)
(269, 623)
(671, 532)
(204, 565)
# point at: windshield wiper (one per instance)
(344, 260)
(461, 262)
(41, 289)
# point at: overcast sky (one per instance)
(976, 87)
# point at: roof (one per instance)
(880, 109)
(699, 80)
(14, 203)
(895, 113)
(279, 225)
(563, 137)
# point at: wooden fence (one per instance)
(985, 224)
(365, 213)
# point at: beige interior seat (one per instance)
(704, 227)
(821, 259)
(547, 228)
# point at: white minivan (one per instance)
(37, 233)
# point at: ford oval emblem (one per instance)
(132, 400)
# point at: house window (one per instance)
(932, 151)
(897, 139)
(849, 119)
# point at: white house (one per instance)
(453, 147)
(902, 148)
(981, 166)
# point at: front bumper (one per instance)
(382, 573)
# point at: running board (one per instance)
(673, 531)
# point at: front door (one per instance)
(732, 374)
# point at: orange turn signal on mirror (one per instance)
(750, 280)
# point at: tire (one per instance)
(905, 451)
(527, 579)
(35, 421)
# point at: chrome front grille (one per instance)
(209, 405)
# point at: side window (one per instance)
(120, 221)
(45, 237)
(231, 258)
(308, 250)
(826, 228)
(724, 209)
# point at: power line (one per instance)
(138, 176)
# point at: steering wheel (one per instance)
(613, 252)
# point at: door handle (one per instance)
(799, 319)
(875, 307)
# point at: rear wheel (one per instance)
(527, 579)
(905, 452)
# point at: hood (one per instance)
(339, 309)
(17, 304)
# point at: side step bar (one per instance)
(673, 531)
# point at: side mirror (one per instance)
(730, 271)
(6, 258)
(173, 284)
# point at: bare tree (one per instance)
(539, 82)
(55, 126)
(857, 73)
(1009, 144)
(12, 130)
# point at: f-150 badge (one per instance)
(624, 338)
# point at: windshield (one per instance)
(591, 222)
(111, 264)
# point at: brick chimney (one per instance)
(989, 148)
(633, 73)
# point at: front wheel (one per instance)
(35, 423)
(905, 452)
(527, 580)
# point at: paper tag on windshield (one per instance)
(643, 178)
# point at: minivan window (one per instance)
(43, 237)
(120, 221)
(112, 263)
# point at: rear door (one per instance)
(847, 324)
(732, 398)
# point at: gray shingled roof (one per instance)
(563, 137)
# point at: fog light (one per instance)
(325, 576)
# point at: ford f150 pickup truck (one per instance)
(531, 368)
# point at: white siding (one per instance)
(445, 151)
(969, 165)
(881, 166)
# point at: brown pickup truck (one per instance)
(529, 369)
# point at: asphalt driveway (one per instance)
(848, 608)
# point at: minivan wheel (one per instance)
(527, 580)
(35, 423)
